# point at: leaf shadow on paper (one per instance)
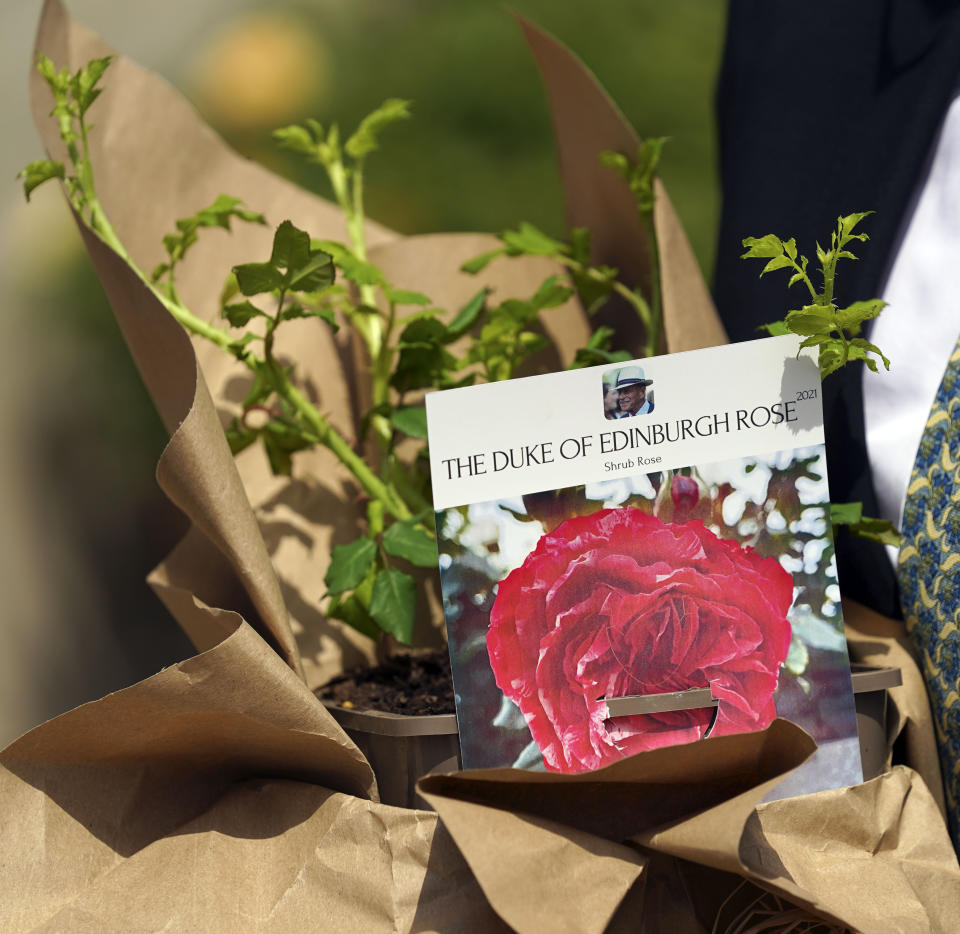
(802, 375)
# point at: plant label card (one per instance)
(641, 554)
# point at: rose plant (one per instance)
(405, 344)
(619, 603)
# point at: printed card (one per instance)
(639, 555)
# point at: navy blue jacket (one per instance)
(827, 108)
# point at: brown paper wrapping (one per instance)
(220, 795)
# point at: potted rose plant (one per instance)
(402, 344)
(393, 335)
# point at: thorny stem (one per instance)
(654, 324)
(325, 433)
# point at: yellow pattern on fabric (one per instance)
(929, 573)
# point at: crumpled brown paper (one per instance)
(220, 795)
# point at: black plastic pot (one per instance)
(402, 749)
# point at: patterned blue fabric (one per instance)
(929, 574)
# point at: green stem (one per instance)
(655, 325)
(330, 438)
(806, 280)
(644, 313)
(356, 217)
(351, 203)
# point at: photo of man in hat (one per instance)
(631, 386)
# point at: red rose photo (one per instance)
(621, 603)
(716, 577)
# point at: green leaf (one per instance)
(475, 265)
(467, 316)
(846, 225)
(811, 320)
(877, 530)
(239, 437)
(316, 274)
(85, 82)
(405, 540)
(349, 565)
(851, 317)
(532, 242)
(778, 262)
(790, 248)
(353, 613)
(766, 246)
(257, 278)
(404, 297)
(411, 420)
(365, 138)
(56, 80)
(36, 173)
(776, 328)
(230, 289)
(291, 247)
(278, 456)
(297, 139)
(393, 604)
(422, 367)
(597, 350)
(359, 271)
(242, 313)
(296, 310)
(580, 238)
(427, 331)
(866, 347)
(831, 359)
(616, 161)
(551, 293)
(846, 513)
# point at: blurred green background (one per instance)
(83, 519)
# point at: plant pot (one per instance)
(870, 687)
(402, 749)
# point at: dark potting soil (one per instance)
(410, 684)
